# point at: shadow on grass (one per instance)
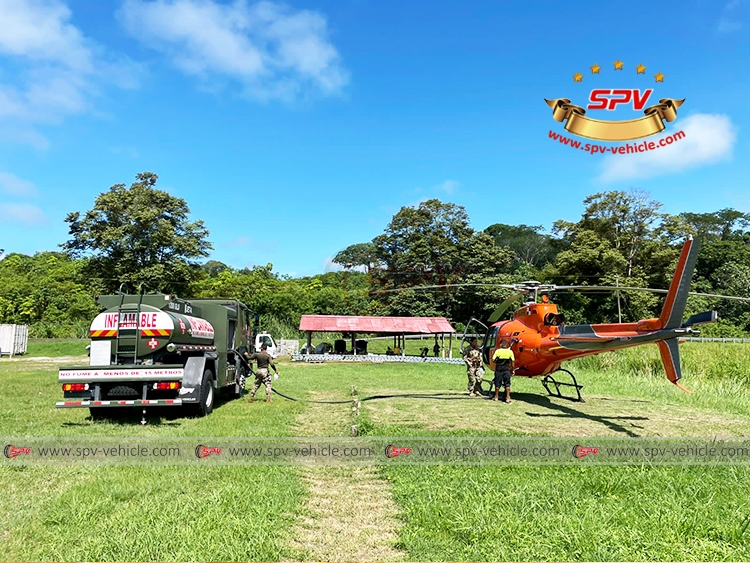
(155, 416)
(569, 412)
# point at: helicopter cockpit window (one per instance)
(552, 319)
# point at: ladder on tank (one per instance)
(123, 342)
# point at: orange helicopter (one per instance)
(541, 341)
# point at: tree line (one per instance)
(141, 236)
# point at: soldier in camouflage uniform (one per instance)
(473, 360)
(262, 375)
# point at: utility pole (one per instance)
(619, 311)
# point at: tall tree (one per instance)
(139, 235)
(618, 241)
(527, 242)
(723, 225)
(434, 244)
(357, 255)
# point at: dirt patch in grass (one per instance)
(321, 420)
(538, 414)
(47, 360)
(349, 514)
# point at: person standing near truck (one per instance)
(262, 375)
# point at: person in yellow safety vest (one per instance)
(504, 363)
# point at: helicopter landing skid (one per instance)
(549, 379)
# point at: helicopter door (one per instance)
(466, 340)
(490, 338)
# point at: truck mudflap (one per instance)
(132, 403)
(193, 377)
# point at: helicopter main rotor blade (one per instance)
(652, 290)
(549, 289)
(504, 307)
(504, 285)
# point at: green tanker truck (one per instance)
(159, 350)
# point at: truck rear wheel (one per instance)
(239, 386)
(206, 403)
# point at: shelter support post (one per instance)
(354, 343)
(309, 340)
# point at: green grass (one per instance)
(575, 514)
(492, 512)
(604, 513)
(54, 348)
(122, 513)
(159, 513)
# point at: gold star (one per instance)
(618, 64)
(659, 77)
(578, 77)
(595, 69)
(641, 69)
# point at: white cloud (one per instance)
(126, 151)
(21, 213)
(56, 69)
(330, 266)
(266, 246)
(23, 135)
(240, 241)
(709, 138)
(449, 186)
(38, 30)
(273, 50)
(729, 24)
(13, 185)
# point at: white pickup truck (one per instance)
(267, 339)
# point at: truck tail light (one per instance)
(166, 385)
(75, 387)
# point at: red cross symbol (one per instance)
(153, 343)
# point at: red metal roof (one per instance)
(392, 325)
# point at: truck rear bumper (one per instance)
(131, 403)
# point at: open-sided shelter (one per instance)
(398, 327)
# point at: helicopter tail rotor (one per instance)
(701, 318)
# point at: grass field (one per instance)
(397, 512)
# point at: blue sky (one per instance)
(294, 130)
